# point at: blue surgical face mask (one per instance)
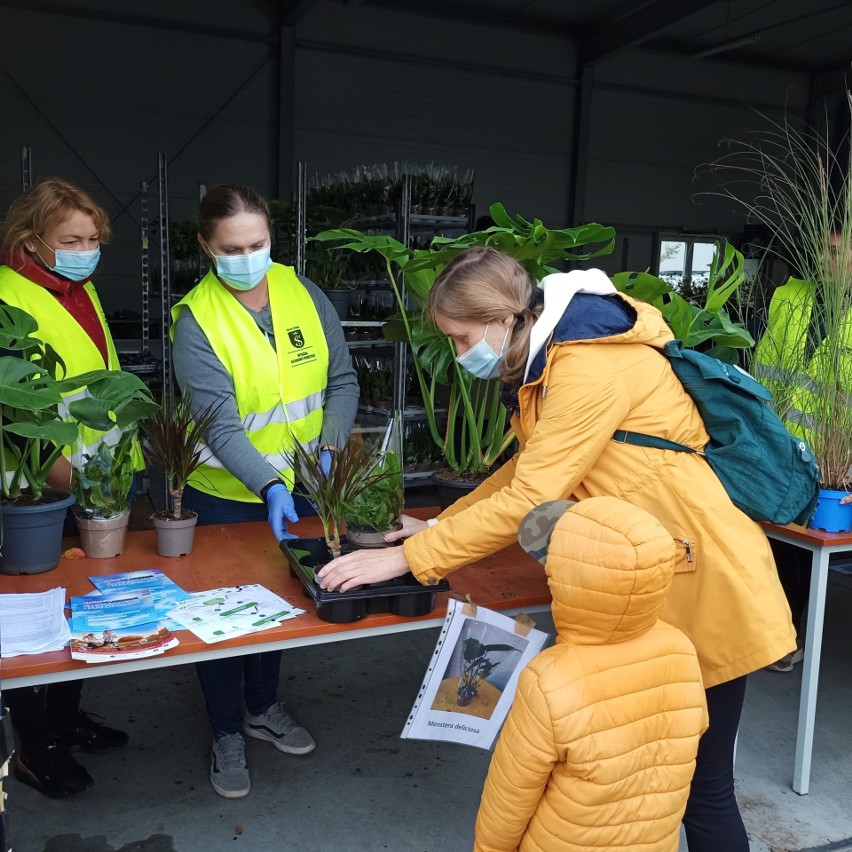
(75, 265)
(481, 359)
(243, 271)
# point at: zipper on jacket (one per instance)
(690, 554)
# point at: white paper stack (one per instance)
(219, 614)
(33, 623)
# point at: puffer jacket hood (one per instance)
(609, 568)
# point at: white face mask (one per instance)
(243, 271)
(481, 359)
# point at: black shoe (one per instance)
(91, 736)
(52, 771)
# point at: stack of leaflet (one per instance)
(123, 620)
(220, 614)
(33, 623)
(165, 593)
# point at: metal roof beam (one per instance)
(293, 10)
(129, 19)
(642, 24)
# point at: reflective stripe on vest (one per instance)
(60, 330)
(279, 392)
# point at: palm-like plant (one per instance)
(352, 471)
(170, 444)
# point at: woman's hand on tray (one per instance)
(362, 567)
(410, 526)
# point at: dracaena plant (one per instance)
(34, 431)
(475, 433)
(352, 471)
(170, 444)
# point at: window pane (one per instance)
(672, 259)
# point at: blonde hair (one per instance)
(42, 206)
(483, 285)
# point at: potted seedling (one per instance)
(376, 510)
(170, 445)
(39, 424)
(352, 471)
(103, 474)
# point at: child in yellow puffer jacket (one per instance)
(599, 748)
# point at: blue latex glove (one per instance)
(281, 509)
(325, 461)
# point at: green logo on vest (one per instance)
(295, 335)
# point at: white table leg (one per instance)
(810, 671)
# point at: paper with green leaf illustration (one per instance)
(218, 614)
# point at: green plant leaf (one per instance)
(26, 385)
(60, 432)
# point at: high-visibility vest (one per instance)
(785, 365)
(279, 390)
(57, 327)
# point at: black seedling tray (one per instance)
(403, 596)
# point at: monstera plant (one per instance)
(474, 433)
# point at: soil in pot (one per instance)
(175, 536)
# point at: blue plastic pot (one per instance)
(830, 516)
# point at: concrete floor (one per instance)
(365, 790)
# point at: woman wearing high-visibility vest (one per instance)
(49, 248)
(265, 348)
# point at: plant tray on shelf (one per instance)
(403, 596)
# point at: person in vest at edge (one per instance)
(599, 746)
(49, 247)
(782, 359)
(580, 361)
(267, 348)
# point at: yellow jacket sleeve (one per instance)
(579, 414)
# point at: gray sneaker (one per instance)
(278, 727)
(229, 774)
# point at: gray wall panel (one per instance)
(98, 100)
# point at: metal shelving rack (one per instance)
(403, 225)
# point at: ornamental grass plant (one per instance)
(794, 180)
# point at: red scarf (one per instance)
(70, 294)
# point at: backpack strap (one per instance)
(641, 440)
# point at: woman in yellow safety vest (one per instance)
(49, 249)
(264, 348)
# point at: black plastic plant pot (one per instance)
(402, 596)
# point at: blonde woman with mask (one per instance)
(580, 361)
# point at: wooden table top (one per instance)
(234, 554)
(809, 535)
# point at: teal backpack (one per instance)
(768, 473)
